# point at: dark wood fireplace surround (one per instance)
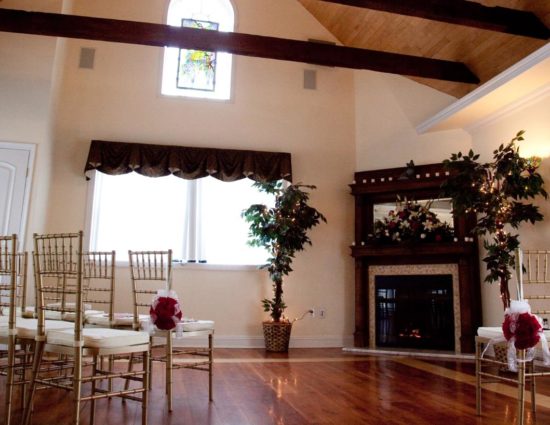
(419, 183)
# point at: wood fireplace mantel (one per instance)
(420, 182)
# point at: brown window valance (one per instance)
(188, 163)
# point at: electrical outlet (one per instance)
(322, 313)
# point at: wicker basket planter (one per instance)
(277, 335)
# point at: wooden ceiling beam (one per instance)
(461, 12)
(82, 27)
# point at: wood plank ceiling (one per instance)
(408, 37)
(487, 53)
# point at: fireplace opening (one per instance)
(415, 311)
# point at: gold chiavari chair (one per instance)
(534, 286)
(8, 334)
(58, 257)
(25, 331)
(152, 271)
(21, 308)
(537, 282)
(99, 283)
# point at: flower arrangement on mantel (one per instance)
(411, 222)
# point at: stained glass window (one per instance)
(197, 68)
(197, 73)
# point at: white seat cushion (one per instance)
(99, 338)
(189, 325)
(70, 316)
(120, 319)
(68, 306)
(28, 313)
(5, 311)
(69, 311)
(26, 328)
(492, 332)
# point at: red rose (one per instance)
(166, 308)
(527, 330)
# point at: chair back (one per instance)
(58, 273)
(536, 281)
(21, 284)
(8, 277)
(149, 271)
(99, 280)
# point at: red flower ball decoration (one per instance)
(165, 312)
(525, 327)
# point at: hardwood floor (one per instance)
(312, 386)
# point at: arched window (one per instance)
(197, 73)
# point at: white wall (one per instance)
(119, 100)
(26, 70)
(388, 109)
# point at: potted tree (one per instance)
(497, 192)
(282, 231)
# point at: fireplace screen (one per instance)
(415, 311)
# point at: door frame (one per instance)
(31, 148)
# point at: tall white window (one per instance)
(200, 220)
(197, 73)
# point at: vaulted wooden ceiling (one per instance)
(450, 45)
(486, 52)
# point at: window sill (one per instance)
(225, 267)
(205, 266)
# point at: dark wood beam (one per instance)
(461, 12)
(58, 25)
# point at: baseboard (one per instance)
(245, 341)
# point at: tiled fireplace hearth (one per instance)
(456, 305)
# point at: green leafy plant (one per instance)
(496, 192)
(282, 231)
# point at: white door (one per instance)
(14, 166)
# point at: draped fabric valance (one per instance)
(188, 163)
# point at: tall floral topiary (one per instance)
(497, 192)
(282, 231)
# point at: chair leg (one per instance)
(478, 378)
(77, 384)
(145, 396)
(27, 359)
(533, 391)
(111, 368)
(210, 365)
(521, 386)
(130, 369)
(169, 367)
(37, 360)
(92, 402)
(9, 379)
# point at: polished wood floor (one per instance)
(313, 386)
